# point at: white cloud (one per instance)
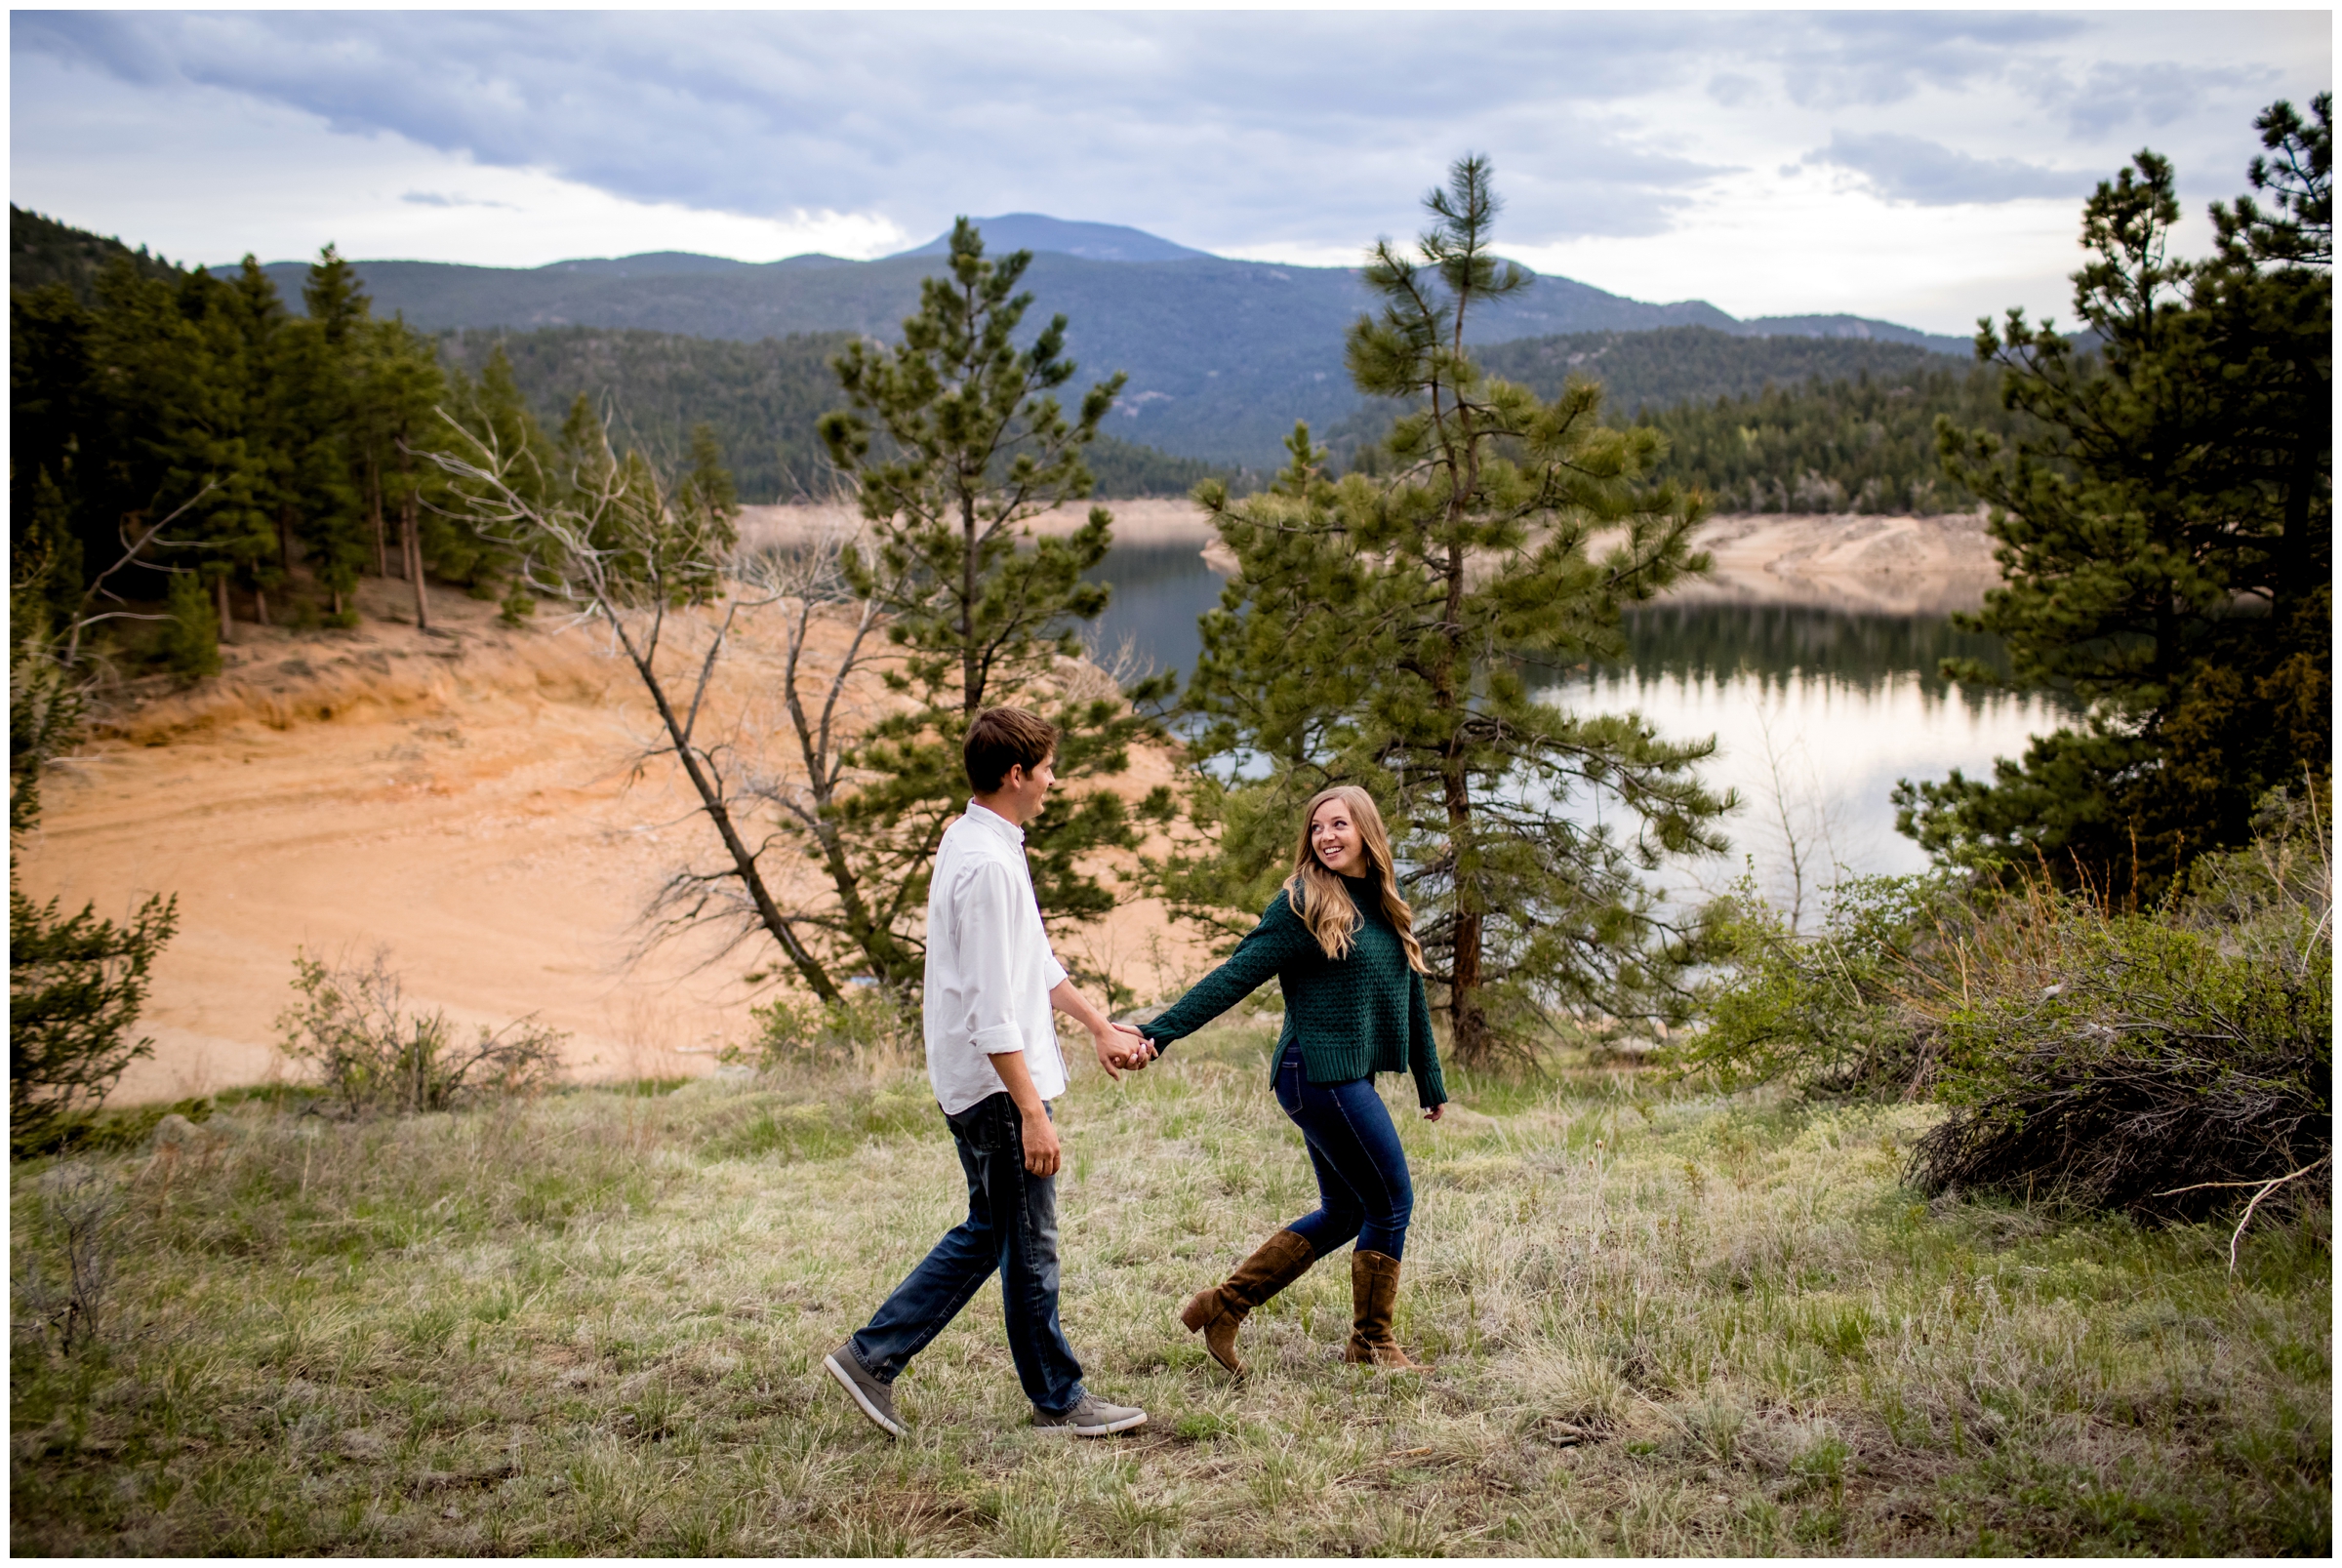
(376, 195)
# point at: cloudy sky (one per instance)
(1919, 166)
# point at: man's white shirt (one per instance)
(989, 970)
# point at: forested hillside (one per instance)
(1762, 425)
(1657, 370)
(42, 250)
(1222, 356)
(760, 400)
(1866, 445)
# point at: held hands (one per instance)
(1120, 1046)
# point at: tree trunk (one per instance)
(971, 684)
(1473, 1042)
(284, 539)
(259, 605)
(410, 529)
(413, 564)
(382, 544)
(743, 861)
(227, 620)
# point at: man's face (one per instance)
(1026, 790)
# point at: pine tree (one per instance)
(1380, 632)
(956, 442)
(2167, 540)
(708, 485)
(184, 399)
(75, 982)
(325, 477)
(493, 408)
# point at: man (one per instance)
(992, 1059)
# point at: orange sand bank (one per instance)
(470, 801)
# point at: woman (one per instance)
(1341, 943)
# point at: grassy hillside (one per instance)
(1662, 1322)
(42, 250)
(761, 398)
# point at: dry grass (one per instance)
(593, 1324)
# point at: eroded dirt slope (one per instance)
(471, 801)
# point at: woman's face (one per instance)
(1339, 848)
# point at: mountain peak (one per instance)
(1092, 242)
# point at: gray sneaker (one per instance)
(875, 1398)
(1092, 1418)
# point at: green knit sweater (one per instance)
(1354, 1016)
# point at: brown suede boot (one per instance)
(1218, 1312)
(1374, 1294)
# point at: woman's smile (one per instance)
(1336, 840)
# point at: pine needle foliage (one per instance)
(954, 441)
(1382, 632)
(2166, 534)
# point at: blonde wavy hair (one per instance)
(1318, 896)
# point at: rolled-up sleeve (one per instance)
(986, 910)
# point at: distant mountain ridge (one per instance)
(1092, 242)
(1222, 356)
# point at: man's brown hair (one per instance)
(1003, 738)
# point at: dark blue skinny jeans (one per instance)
(1362, 1185)
(1012, 1227)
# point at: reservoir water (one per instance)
(1816, 714)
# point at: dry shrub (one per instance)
(373, 1052)
(2159, 1063)
(2162, 1062)
(79, 1205)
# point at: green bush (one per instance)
(75, 986)
(2164, 1061)
(869, 1024)
(1831, 1012)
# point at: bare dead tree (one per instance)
(878, 894)
(606, 537)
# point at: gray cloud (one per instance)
(2152, 94)
(1220, 129)
(1928, 173)
(918, 116)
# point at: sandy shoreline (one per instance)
(471, 802)
(1875, 565)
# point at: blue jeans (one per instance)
(1362, 1185)
(1011, 1226)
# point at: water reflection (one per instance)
(1160, 591)
(1815, 715)
(1781, 644)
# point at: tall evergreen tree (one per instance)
(184, 400)
(2167, 540)
(326, 478)
(955, 440)
(1379, 631)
